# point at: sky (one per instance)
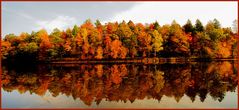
(20, 17)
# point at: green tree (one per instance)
(98, 23)
(216, 23)
(199, 26)
(75, 31)
(157, 42)
(188, 27)
(58, 42)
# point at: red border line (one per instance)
(115, 0)
(237, 56)
(116, 109)
(1, 55)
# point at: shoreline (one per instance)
(143, 60)
(171, 60)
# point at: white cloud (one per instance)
(166, 12)
(60, 22)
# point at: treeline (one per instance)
(122, 41)
(94, 83)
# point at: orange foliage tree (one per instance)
(124, 40)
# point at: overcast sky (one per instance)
(20, 17)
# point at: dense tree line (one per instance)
(124, 40)
(124, 82)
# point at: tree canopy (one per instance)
(123, 40)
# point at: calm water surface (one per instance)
(191, 85)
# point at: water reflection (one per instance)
(124, 82)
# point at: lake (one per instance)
(179, 85)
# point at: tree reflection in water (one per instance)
(124, 82)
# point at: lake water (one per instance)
(180, 85)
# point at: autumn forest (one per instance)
(124, 40)
(124, 82)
